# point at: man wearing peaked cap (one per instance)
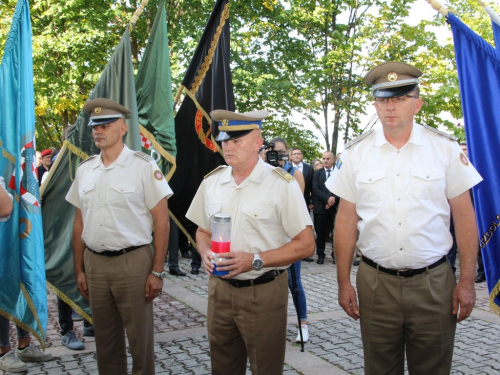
(44, 167)
(271, 228)
(119, 195)
(398, 185)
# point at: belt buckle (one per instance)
(400, 276)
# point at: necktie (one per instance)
(328, 170)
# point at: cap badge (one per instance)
(392, 76)
(225, 122)
(97, 110)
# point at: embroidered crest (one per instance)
(464, 159)
(158, 175)
(392, 76)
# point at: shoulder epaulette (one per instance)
(86, 160)
(358, 138)
(287, 176)
(453, 138)
(215, 170)
(142, 155)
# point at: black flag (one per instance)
(207, 86)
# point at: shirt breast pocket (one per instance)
(428, 183)
(118, 192)
(371, 186)
(255, 223)
(86, 193)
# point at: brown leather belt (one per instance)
(115, 253)
(402, 273)
(263, 279)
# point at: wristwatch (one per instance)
(257, 262)
(160, 275)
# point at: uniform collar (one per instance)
(257, 174)
(415, 136)
(120, 160)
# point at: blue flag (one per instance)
(478, 65)
(496, 33)
(23, 293)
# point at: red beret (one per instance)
(46, 152)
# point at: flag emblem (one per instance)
(28, 181)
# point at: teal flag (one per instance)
(116, 83)
(23, 293)
(154, 98)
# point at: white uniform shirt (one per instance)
(2, 186)
(116, 201)
(401, 196)
(266, 211)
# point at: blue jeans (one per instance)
(4, 331)
(301, 296)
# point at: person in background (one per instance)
(44, 167)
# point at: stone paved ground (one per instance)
(334, 347)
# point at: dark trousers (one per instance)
(323, 223)
(65, 320)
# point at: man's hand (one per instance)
(331, 201)
(154, 285)
(465, 297)
(235, 262)
(81, 284)
(207, 262)
(349, 301)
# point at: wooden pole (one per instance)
(137, 14)
(440, 8)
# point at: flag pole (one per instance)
(494, 16)
(440, 8)
(137, 14)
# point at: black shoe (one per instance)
(333, 257)
(176, 271)
(321, 260)
(195, 271)
(186, 254)
(355, 263)
(480, 278)
(88, 331)
(308, 259)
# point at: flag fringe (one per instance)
(27, 328)
(181, 227)
(494, 294)
(161, 150)
(73, 305)
(205, 66)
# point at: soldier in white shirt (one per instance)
(398, 185)
(118, 196)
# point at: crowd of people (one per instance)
(389, 197)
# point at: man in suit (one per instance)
(307, 171)
(324, 205)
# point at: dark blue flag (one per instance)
(478, 65)
(23, 292)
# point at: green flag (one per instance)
(154, 98)
(116, 83)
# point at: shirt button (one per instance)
(399, 199)
(400, 249)
(370, 180)
(397, 174)
(398, 151)
(428, 177)
(101, 224)
(103, 205)
(398, 223)
(233, 208)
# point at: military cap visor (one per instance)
(104, 111)
(394, 92)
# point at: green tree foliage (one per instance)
(303, 60)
